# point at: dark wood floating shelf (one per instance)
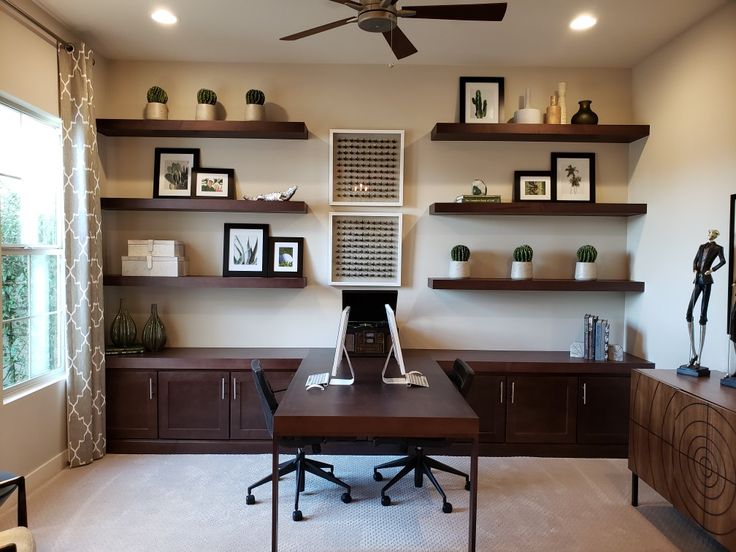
(203, 282)
(280, 130)
(505, 284)
(201, 205)
(542, 208)
(622, 134)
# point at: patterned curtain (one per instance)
(85, 330)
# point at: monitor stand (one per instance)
(338, 360)
(394, 381)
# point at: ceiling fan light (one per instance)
(165, 17)
(583, 22)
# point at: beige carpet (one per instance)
(185, 503)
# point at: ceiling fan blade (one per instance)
(387, 3)
(458, 12)
(350, 3)
(399, 43)
(315, 30)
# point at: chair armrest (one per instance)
(20, 483)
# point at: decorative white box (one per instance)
(155, 248)
(155, 266)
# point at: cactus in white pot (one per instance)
(254, 109)
(460, 262)
(156, 107)
(521, 266)
(206, 105)
(585, 268)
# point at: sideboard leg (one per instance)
(634, 490)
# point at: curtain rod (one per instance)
(59, 40)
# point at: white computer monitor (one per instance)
(340, 350)
(395, 350)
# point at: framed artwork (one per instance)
(367, 167)
(287, 256)
(573, 176)
(172, 171)
(214, 183)
(532, 186)
(481, 99)
(245, 250)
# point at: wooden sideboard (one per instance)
(682, 442)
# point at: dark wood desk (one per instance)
(371, 409)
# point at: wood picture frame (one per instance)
(214, 183)
(245, 250)
(490, 90)
(172, 171)
(533, 186)
(573, 176)
(287, 257)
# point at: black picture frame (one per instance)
(204, 178)
(562, 165)
(286, 257)
(523, 191)
(240, 256)
(488, 85)
(180, 180)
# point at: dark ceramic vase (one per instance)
(154, 333)
(122, 329)
(585, 115)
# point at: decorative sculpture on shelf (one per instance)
(274, 196)
(703, 269)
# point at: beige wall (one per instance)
(372, 97)
(685, 172)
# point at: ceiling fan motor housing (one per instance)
(377, 19)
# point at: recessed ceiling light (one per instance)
(165, 17)
(583, 22)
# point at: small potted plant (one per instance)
(521, 267)
(585, 268)
(206, 105)
(254, 110)
(460, 263)
(156, 106)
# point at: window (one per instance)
(31, 216)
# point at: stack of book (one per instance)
(595, 337)
(478, 199)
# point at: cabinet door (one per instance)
(541, 409)
(131, 404)
(246, 415)
(603, 409)
(487, 398)
(194, 404)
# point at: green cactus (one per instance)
(460, 253)
(481, 106)
(587, 254)
(254, 96)
(156, 94)
(523, 254)
(206, 96)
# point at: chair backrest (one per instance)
(10, 482)
(269, 404)
(462, 376)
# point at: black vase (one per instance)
(154, 333)
(585, 115)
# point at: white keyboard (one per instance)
(417, 379)
(318, 379)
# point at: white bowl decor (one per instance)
(254, 109)
(585, 268)
(521, 266)
(156, 107)
(460, 263)
(206, 105)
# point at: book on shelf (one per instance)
(129, 350)
(600, 326)
(478, 199)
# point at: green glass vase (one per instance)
(122, 329)
(154, 332)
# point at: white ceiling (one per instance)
(533, 33)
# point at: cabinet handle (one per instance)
(150, 389)
(501, 393)
(584, 395)
(235, 389)
(223, 389)
(512, 392)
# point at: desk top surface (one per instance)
(709, 389)
(370, 408)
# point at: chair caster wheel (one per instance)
(446, 507)
(346, 498)
(377, 476)
(467, 485)
(297, 515)
(385, 500)
(250, 500)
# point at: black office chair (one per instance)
(300, 464)
(8, 484)
(462, 377)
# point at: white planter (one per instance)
(585, 271)
(521, 270)
(255, 112)
(459, 269)
(156, 110)
(206, 112)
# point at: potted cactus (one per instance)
(460, 263)
(206, 105)
(156, 106)
(521, 267)
(585, 268)
(254, 110)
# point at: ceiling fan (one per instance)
(381, 16)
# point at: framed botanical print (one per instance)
(573, 176)
(532, 186)
(245, 250)
(172, 171)
(287, 255)
(214, 183)
(481, 99)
